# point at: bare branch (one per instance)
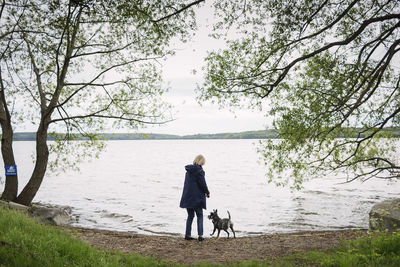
(114, 117)
(38, 76)
(179, 11)
(84, 85)
(328, 46)
(100, 52)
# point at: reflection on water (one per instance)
(136, 186)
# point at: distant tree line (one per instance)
(262, 134)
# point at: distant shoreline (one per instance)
(260, 134)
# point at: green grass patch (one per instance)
(25, 242)
(378, 249)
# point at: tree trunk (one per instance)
(11, 186)
(42, 157)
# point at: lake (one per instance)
(136, 186)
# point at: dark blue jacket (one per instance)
(195, 188)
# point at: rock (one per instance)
(55, 215)
(13, 205)
(51, 214)
(385, 215)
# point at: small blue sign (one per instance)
(11, 170)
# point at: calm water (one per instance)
(136, 186)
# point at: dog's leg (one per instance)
(234, 235)
(215, 228)
(219, 230)
(227, 232)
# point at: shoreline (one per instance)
(212, 250)
(222, 235)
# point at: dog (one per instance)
(221, 224)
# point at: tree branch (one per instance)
(330, 45)
(179, 11)
(38, 77)
(100, 74)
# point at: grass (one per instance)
(378, 249)
(25, 242)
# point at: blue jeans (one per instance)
(199, 215)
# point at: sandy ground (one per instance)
(213, 250)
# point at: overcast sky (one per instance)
(190, 117)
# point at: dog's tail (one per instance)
(229, 214)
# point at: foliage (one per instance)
(319, 68)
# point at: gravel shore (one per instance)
(213, 250)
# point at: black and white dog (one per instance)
(221, 224)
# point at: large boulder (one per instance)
(54, 215)
(385, 215)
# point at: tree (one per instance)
(322, 70)
(71, 66)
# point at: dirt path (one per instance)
(212, 250)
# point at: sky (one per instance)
(191, 117)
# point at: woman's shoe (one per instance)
(201, 238)
(189, 238)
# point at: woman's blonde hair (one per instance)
(199, 160)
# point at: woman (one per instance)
(194, 196)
